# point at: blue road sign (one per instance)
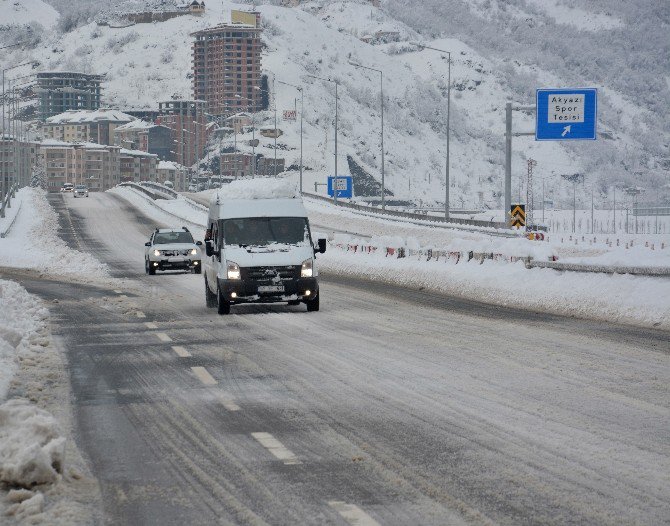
(566, 114)
(345, 186)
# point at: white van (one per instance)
(260, 251)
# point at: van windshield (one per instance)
(263, 231)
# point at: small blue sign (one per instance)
(566, 114)
(345, 186)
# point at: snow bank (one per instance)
(33, 243)
(616, 298)
(23, 322)
(32, 449)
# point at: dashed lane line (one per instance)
(352, 514)
(140, 314)
(118, 291)
(163, 337)
(181, 351)
(227, 402)
(275, 447)
(203, 375)
(150, 325)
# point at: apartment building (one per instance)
(227, 65)
(60, 91)
(17, 160)
(136, 166)
(96, 126)
(171, 171)
(188, 123)
(145, 136)
(236, 164)
(95, 165)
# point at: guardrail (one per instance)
(11, 224)
(6, 200)
(602, 269)
(160, 188)
(145, 190)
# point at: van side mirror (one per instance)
(209, 248)
(147, 244)
(322, 246)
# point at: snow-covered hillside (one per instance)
(148, 63)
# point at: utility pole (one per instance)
(529, 194)
(336, 99)
(574, 206)
(302, 107)
(543, 200)
(614, 210)
(593, 227)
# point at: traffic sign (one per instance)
(518, 216)
(345, 186)
(566, 114)
(290, 115)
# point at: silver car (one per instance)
(81, 190)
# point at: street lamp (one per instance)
(253, 136)
(335, 179)
(422, 46)
(300, 89)
(381, 91)
(274, 101)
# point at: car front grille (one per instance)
(172, 253)
(270, 274)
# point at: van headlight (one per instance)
(157, 252)
(233, 270)
(307, 268)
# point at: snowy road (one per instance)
(390, 406)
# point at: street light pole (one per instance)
(302, 107)
(381, 91)
(446, 196)
(336, 99)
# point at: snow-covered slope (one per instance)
(147, 63)
(24, 12)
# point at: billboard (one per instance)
(243, 17)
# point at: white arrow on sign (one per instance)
(566, 130)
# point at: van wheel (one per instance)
(210, 297)
(313, 305)
(223, 307)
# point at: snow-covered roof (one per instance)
(137, 153)
(136, 125)
(54, 143)
(88, 116)
(169, 165)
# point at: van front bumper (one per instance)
(243, 291)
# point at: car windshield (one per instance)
(262, 231)
(80, 187)
(164, 238)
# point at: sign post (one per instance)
(566, 114)
(345, 186)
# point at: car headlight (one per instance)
(307, 268)
(233, 270)
(194, 251)
(157, 252)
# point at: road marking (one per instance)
(123, 297)
(203, 375)
(163, 337)
(275, 447)
(181, 351)
(150, 325)
(227, 402)
(118, 291)
(352, 514)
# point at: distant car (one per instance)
(168, 184)
(80, 190)
(67, 187)
(172, 249)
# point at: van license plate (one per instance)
(271, 288)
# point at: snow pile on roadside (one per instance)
(617, 298)
(33, 243)
(23, 323)
(32, 449)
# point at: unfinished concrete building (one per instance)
(61, 91)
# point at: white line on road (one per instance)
(227, 402)
(163, 337)
(352, 514)
(181, 351)
(203, 375)
(140, 314)
(123, 297)
(150, 325)
(275, 447)
(118, 291)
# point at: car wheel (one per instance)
(152, 269)
(146, 266)
(313, 305)
(198, 268)
(222, 304)
(210, 297)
